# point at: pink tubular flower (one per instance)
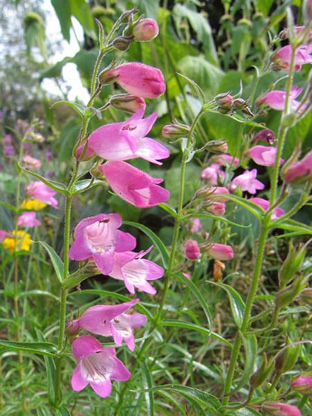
(99, 237)
(135, 271)
(28, 219)
(299, 171)
(220, 251)
(40, 191)
(247, 182)
(226, 160)
(216, 208)
(139, 79)
(211, 174)
(196, 225)
(302, 384)
(264, 155)
(145, 30)
(96, 366)
(282, 58)
(31, 163)
(191, 250)
(281, 409)
(126, 140)
(133, 185)
(110, 320)
(276, 99)
(264, 204)
(215, 194)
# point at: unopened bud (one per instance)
(302, 384)
(291, 264)
(128, 103)
(225, 102)
(173, 131)
(217, 251)
(280, 409)
(306, 296)
(263, 372)
(286, 295)
(265, 135)
(127, 15)
(107, 76)
(287, 358)
(122, 43)
(145, 30)
(191, 250)
(240, 103)
(217, 146)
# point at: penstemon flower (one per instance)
(299, 171)
(282, 58)
(192, 250)
(264, 204)
(96, 366)
(264, 155)
(40, 191)
(247, 182)
(276, 99)
(28, 219)
(31, 162)
(281, 409)
(145, 30)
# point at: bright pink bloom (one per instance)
(145, 30)
(3, 235)
(196, 225)
(110, 321)
(281, 409)
(135, 271)
(266, 135)
(28, 219)
(303, 55)
(139, 79)
(264, 204)
(276, 99)
(226, 160)
(126, 140)
(187, 275)
(96, 366)
(212, 173)
(264, 155)
(191, 250)
(247, 182)
(133, 185)
(300, 170)
(31, 163)
(220, 251)
(216, 208)
(40, 191)
(99, 237)
(302, 384)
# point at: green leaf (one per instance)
(250, 347)
(41, 348)
(9, 206)
(83, 185)
(56, 261)
(218, 218)
(56, 186)
(155, 240)
(67, 139)
(292, 225)
(50, 369)
(264, 6)
(81, 10)
(169, 209)
(236, 302)
(148, 384)
(194, 327)
(250, 206)
(195, 86)
(38, 293)
(77, 107)
(55, 70)
(149, 8)
(197, 293)
(63, 12)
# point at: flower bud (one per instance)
(287, 358)
(225, 102)
(107, 77)
(216, 208)
(217, 146)
(306, 296)
(286, 295)
(217, 251)
(173, 131)
(302, 384)
(191, 250)
(122, 43)
(263, 372)
(145, 30)
(291, 264)
(280, 409)
(128, 103)
(265, 135)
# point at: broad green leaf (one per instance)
(41, 348)
(148, 384)
(155, 240)
(81, 10)
(264, 6)
(77, 107)
(250, 356)
(170, 398)
(55, 70)
(56, 261)
(197, 293)
(67, 139)
(56, 186)
(149, 8)
(63, 12)
(8, 206)
(194, 327)
(236, 302)
(278, 14)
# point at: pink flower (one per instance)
(28, 219)
(8, 150)
(264, 204)
(226, 160)
(276, 99)
(212, 173)
(283, 57)
(96, 366)
(187, 275)
(216, 194)
(220, 251)
(265, 135)
(247, 182)
(139, 79)
(191, 250)
(133, 185)
(196, 225)
(3, 235)
(264, 155)
(99, 237)
(145, 30)
(40, 191)
(126, 140)
(110, 321)
(135, 271)
(31, 162)
(281, 409)
(299, 171)
(216, 208)
(302, 384)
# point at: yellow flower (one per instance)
(20, 240)
(32, 204)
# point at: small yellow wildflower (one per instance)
(20, 240)
(32, 204)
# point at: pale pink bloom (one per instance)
(126, 140)
(133, 185)
(300, 170)
(302, 384)
(40, 191)
(135, 271)
(264, 155)
(220, 251)
(281, 409)
(226, 160)
(96, 366)
(99, 237)
(212, 173)
(196, 225)
(31, 162)
(216, 194)
(283, 57)
(276, 99)
(216, 208)
(247, 182)
(3, 235)
(265, 204)
(191, 250)
(187, 275)
(139, 79)
(110, 321)
(28, 219)
(145, 30)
